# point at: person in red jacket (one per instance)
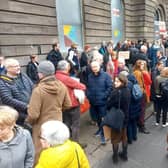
(71, 117)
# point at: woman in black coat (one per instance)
(121, 92)
(32, 69)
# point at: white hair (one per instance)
(144, 48)
(95, 63)
(97, 57)
(10, 61)
(62, 65)
(55, 132)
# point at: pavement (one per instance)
(149, 151)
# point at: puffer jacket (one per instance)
(63, 156)
(99, 88)
(16, 92)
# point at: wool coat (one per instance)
(49, 98)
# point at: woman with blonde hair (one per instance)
(16, 146)
(59, 151)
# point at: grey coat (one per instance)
(19, 152)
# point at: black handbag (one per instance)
(115, 118)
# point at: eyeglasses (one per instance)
(40, 137)
(15, 66)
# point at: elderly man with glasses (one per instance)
(15, 88)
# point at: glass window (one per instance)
(117, 20)
(69, 23)
(159, 23)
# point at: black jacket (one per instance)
(32, 71)
(125, 98)
(54, 56)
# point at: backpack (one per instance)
(164, 88)
(136, 91)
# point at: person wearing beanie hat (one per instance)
(46, 68)
(48, 100)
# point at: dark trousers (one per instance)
(132, 130)
(161, 106)
(99, 112)
(71, 118)
(141, 121)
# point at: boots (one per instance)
(115, 153)
(123, 154)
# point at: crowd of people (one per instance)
(40, 110)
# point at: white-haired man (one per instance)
(98, 90)
(15, 88)
(71, 117)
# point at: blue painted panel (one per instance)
(117, 20)
(69, 23)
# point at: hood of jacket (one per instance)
(50, 84)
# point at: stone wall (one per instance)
(30, 26)
(27, 27)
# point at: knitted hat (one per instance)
(46, 68)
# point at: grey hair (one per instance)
(55, 132)
(10, 61)
(62, 65)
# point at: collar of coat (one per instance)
(6, 78)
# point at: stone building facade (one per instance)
(31, 26)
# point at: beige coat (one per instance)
(47, 102)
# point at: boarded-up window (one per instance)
(117, 20)
(69, 23)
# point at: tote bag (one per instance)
(114, 119)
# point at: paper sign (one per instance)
(124, 54)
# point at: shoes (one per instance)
(103, 141)
(135, 138)
(97, 133)
(93, 123)
(83, 145)
(144, 130)
(164, 125)
(123, 156)
(115, 158)
(156, 123)
(129, 142)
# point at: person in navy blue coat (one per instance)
(134, 112)
(2, 67)
(99, 87)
